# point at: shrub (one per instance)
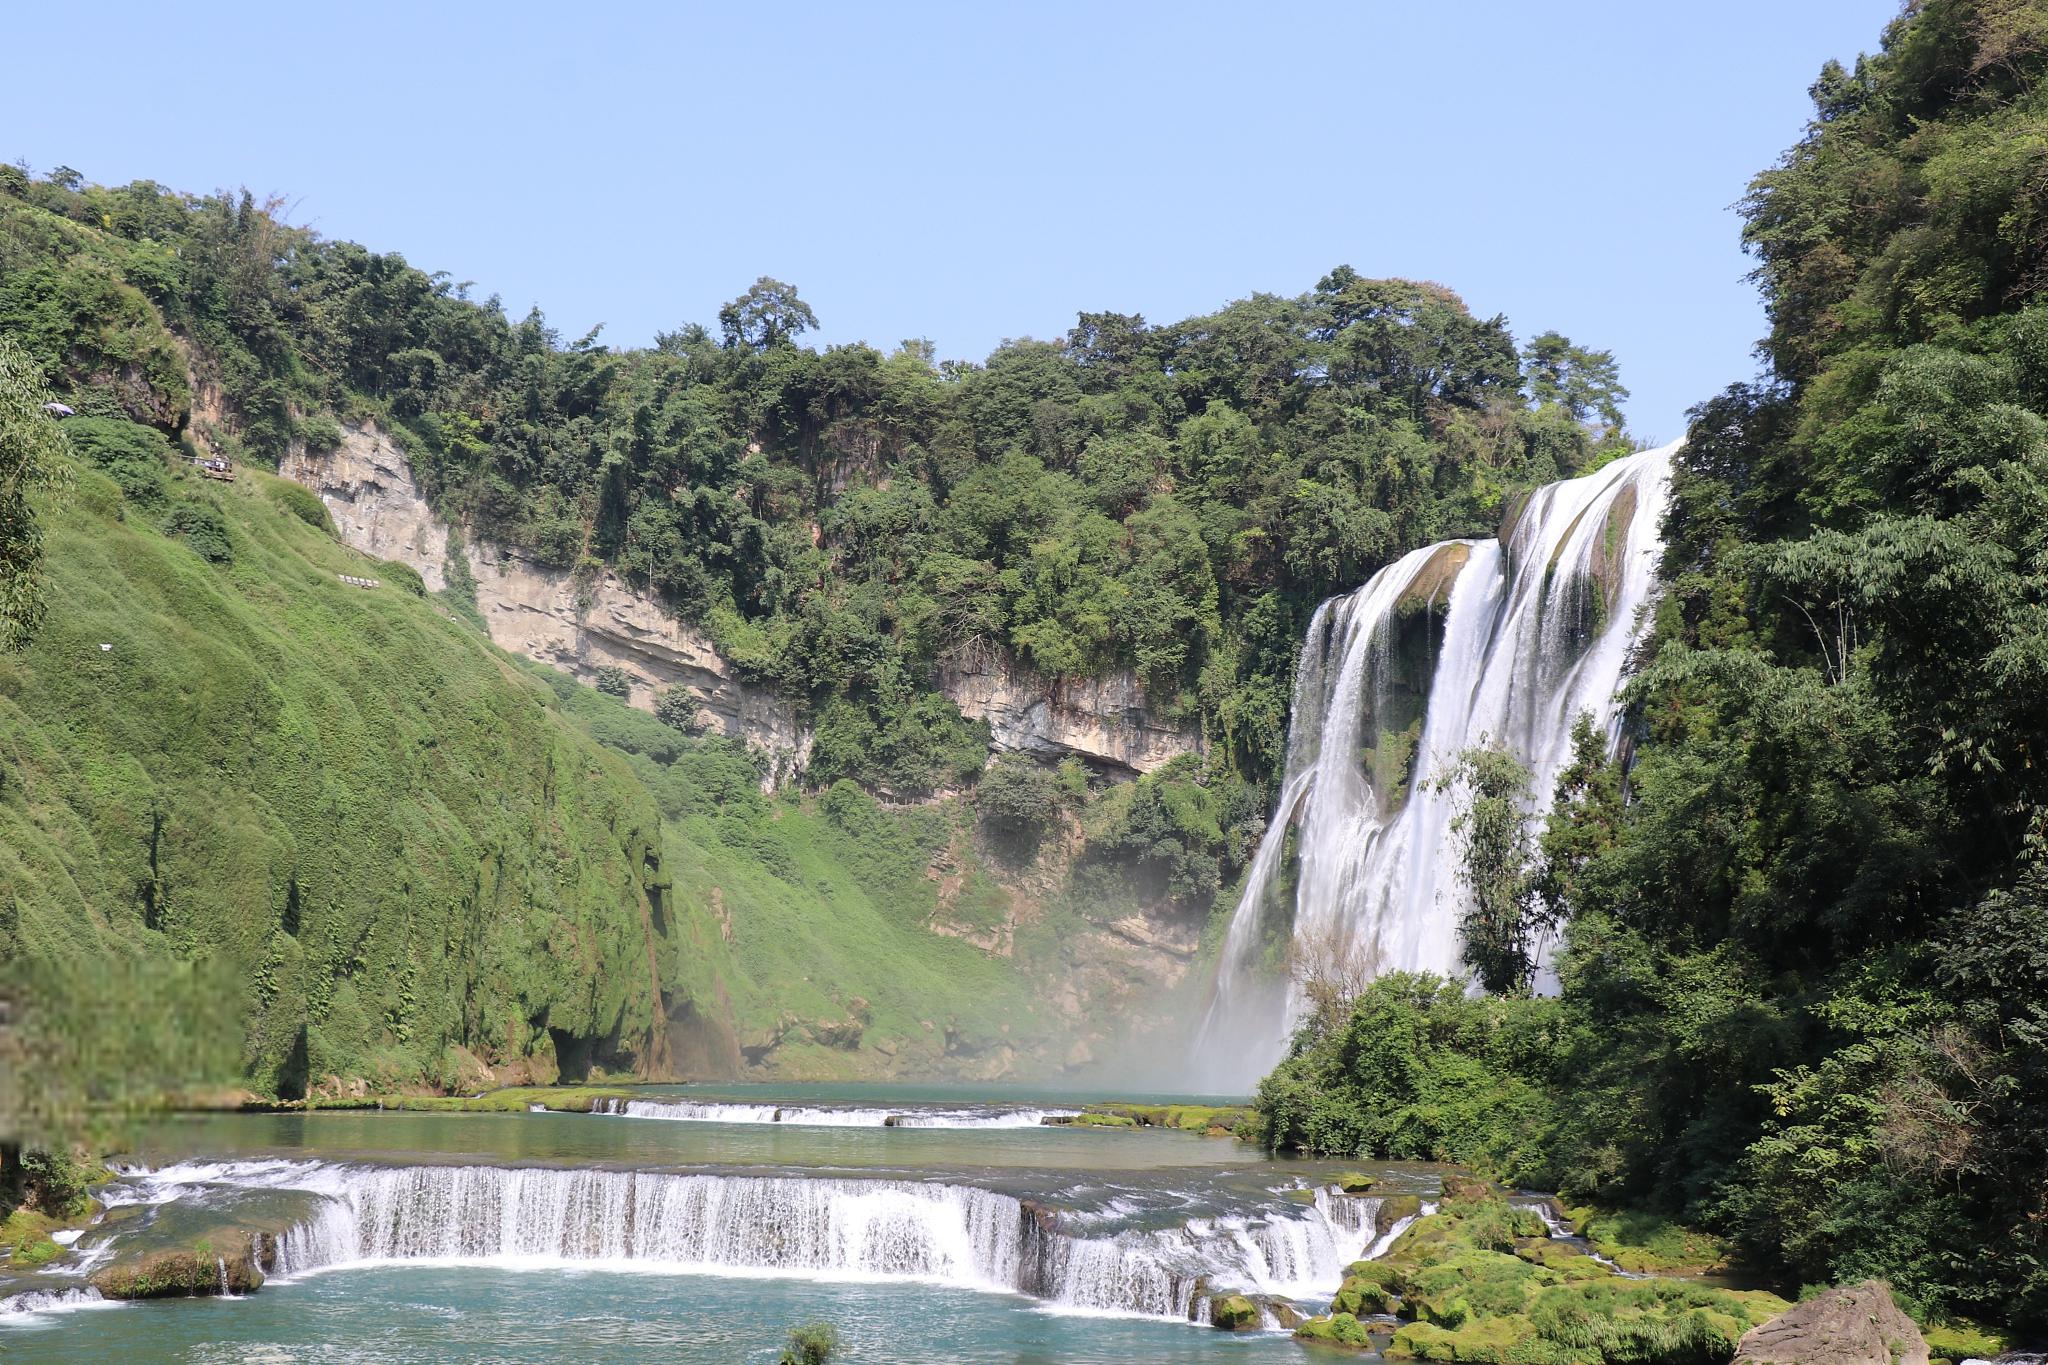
(135, 457)
(1018, 800)
(303, 503)
(676, 708)
(614, 681)
(403, 575)
(812, 1345)
(200, 525)
(320, 432)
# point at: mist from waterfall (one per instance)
(1454, 645)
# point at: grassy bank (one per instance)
(409, 865)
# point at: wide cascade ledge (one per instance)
(815, 1226)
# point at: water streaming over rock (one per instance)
(820, 1226)
(1504, 642)
(833, 1116)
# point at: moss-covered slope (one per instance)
(412, 859)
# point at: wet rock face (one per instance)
(1849, 1325)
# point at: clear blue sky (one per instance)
(970, 172)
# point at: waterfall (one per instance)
(1505, 642)
(831, 1116)
(816, 1226)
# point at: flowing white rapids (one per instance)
(830, 1116)
(1451, 646)
(813, 1226)
(41, 1301)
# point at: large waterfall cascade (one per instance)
(1503, 642)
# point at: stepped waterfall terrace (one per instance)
(1141, 1223)
(1504, 642)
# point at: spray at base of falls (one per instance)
(812, 1226)
(1450, 647)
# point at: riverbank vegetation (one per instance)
(1804, 970)
(1483, 1280)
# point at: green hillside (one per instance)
(217, 748)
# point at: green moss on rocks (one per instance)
(1477, 1288)
(1644, 1243)
(196, 1271)
(25, 1238)
(1965, 1340)
(1338, 1329)
(1212, 1119)
(1233, 1313)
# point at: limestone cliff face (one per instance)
(544, 613)
(1104, 720)
(368, 487)
(580, 627)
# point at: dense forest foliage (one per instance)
(1806, 982)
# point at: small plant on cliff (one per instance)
(320, 432)
(614, 681)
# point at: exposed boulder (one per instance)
(183, 1272)
(1849, 1325)
(1233, 1313)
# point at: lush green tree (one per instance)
(1018, 800)
(1586, 384)
(1499, 927)
(766, 316)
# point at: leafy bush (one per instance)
(1018, 800)
(135, 457)
(320, 432)
(811, 1345)
(200, 525)
(614, 681)
(1422, 1071)
(676, 708)
(1181, 833)
(303, 503)
(403, 576)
